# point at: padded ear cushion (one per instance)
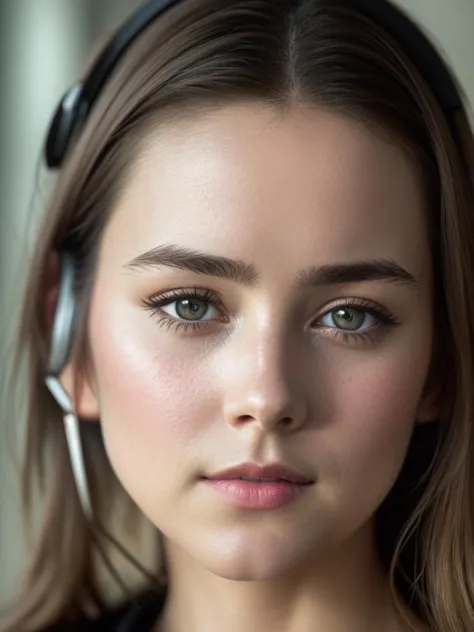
(61, 337)
(62, 127)
(76, 104)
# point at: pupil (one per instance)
(188, 309)
(348, 318)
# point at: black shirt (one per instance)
(139, 616)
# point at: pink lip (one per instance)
(286, 486)
(255, 470)
(250, 495)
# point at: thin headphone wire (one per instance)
(125, 553)
(76, 455)
(79, 472)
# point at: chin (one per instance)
(247, 570)
(244, 559)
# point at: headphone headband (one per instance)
(418, 49)
(78, 101)
(76, 104)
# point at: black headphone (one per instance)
(78, 101)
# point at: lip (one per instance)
(254, 495)
(281, 485)
(273, 471)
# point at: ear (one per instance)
(85, 397)
(431, 402)
(429, 408)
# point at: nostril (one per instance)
(246, 418)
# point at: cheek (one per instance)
(377, 390)
(153, 400)
(373, 410)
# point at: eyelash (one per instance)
(385, 318)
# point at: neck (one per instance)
(345, 591)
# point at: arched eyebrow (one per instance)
(246, 274)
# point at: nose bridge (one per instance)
(266, 384)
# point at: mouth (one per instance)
(254, 486)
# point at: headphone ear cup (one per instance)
(61, 336)
(61, 339)
(62, 126)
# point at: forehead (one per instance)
(309, 186)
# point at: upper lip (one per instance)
(255, 470)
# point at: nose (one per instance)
(266, 386)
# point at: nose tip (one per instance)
(276, 415)
(266, 384)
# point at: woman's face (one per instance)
(311, 351)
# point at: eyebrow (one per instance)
(246, 274)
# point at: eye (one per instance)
(349, 319)
(353, 318)
(357, 320)
(186, 308)
(190, 308)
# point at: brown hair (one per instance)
(203, 54)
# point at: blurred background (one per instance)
(43, 46)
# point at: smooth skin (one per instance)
(308, 376)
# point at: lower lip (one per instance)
(252, 495)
